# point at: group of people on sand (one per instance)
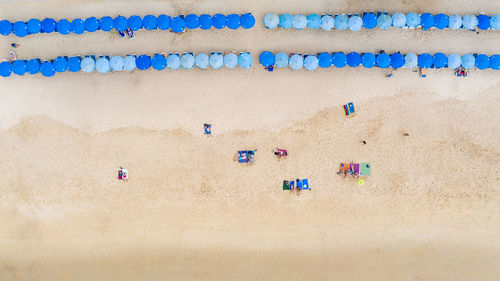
(349, 172)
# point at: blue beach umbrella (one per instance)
(439, 60)
(383, 60)
(469, 22)
(91, 24)
(205, 21)
(339, 60)
(77, 26)
(219, 21)
(231, 60)
(426, 20)
(143, 62)
(310, 62)
(399, 20)
(245, 60)
(353, 59)
(47, 69)
(384, 21)
(116, 63)
(5, 27)
(441, 21)
(412, 20)
(285, 21)
(163, 22)
(266, 58)
(34, 26)
(483, 22)
(192, 21)
(325, 60)
(424, 60)
(63, 26)
(106, 23)
(159, 62)
(187, 60)
(495, 22)
(454, 61)
(313, 21)
(468, 61)
(216, 60)
(120, 23)
(281, 60)
(201, 61)
(129, 63)
(19, 67)
(327, 22)
(74, 64)
(102, 65)
(48, 25)
(368, 60)
(411, 60)
(495, 62)
(482, 61)
(455, 22)
(20, 29)
(271, 20)
(299, 22)
(341, 22)
(369, 20)
(355, 23)
(60, 64)
(5, 69)
(33, 66)
(134, 22)
(150, 22)
(233, 21)
(296, 62)
(178, 24)
(88, 64)
(247, 21)
(397, 60)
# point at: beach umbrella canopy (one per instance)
(339, 60)
(369, 20)
(34, 26)
(63, 26)
(439, 60)
(102, 65)
(88, 64)
(455, 22)
(192, 21)
(150, 22)
(495, 62)
(116, 63)
(143, 62)
(353, 59)
(5, 69)
(296, 62)
(201, 60)
(105, 23)
(159, 62)
(247, 21)
(77, 26)
(47, 69)
(281, 60)
(271, 20)
(325, 60)
(411, 60)
(285, 21)
(368, 60)
(425, 60)
(91, 24)
(187, 61)
(205, 21)
(399, 20)
(495, 22)
(134, 22)
(341, 22)
(20, 29)
(74, 64)
(482, 61)
(33, 66)
(129, 63)
(412, 20)
(48, 25)
(310, 62)
(384, 21)
(469, 22)
(397, 60)
(19, 67)
(327, 22)
(216, 60)
(266, 58)
(5, 27)
(355, 23)
(454, 61)
(483, 22)
(299, 22)
(441, 21)
(245, 60)
(163, 22)
(231, 60)
(468, 61)
(178, 24)
(120, 23)
(383, 60)
(233, 21)
(313, 21)
(426, 20)
(60, 64)
(219, 21)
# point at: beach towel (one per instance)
(208, 129)
(356, 168)
(365, 169)
(351, 107)
(286, 185)
(243, 156)
(305, 184)
(344, 167)
(346, 110)
(299, 185)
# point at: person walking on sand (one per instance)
(14, 45)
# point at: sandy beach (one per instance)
(429, 211)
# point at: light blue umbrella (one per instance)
(173, 61)
(102, 65)
(281, 60)
(399, 20)
(412, 20)
(411, 60)
(231, 60)
(129, 63)
(296, 62)
(216, 60)
(327, 22)
(384, 21)
(355, 23)
(313, 21)
(341, 22)
(187, 60)
(310, 62)
(116, 63)
(271, 20)
(88, 65)
(469, 22)
(495, 22)
(245, 60)
(286, 21)
(454, 61)
(455, 22)
(201, 61)
(468, 61)
(299, 22)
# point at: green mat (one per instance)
(286, 185)
(365, 169)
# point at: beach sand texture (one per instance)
(429, 211)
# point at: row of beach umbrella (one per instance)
(105, 64)
(369, 20)
(382, 60)
(121, 23)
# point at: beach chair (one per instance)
(286, 185)
(207, 129)
(365, 169)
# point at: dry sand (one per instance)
(430, 210)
